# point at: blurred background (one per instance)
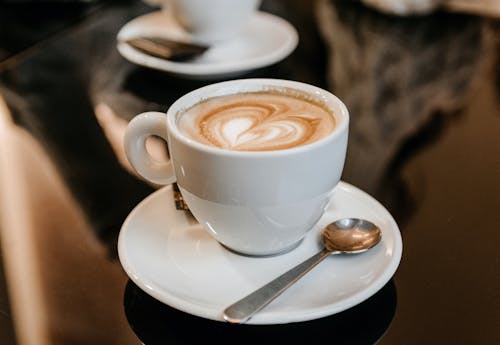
(421, 79)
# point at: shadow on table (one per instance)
(156, 323)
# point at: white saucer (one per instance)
(266, 39)
(168, 255)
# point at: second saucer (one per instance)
(265, 40)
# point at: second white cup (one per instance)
(214, 20)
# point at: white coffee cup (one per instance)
(255, 203)
(211, 21)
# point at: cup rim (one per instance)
(254, 84)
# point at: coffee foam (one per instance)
(257, 121)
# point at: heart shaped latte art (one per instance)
(260, 122)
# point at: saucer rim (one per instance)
(270, 317)
(197, 70)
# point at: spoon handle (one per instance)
(245, 308)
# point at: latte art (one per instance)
(257, 121)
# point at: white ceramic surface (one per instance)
(251, 201)
(169, 255)
(212, 21)
(265, 40)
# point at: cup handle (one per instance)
(139, 129)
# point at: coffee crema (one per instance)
(257, 121)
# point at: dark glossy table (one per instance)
(424, 98)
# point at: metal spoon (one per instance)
(349, 235)
(165, 48)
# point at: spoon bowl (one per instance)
(351, 235)
(348, 235)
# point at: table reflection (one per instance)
(396, 75)
(156, 323)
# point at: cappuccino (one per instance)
(257, 121)
(256, 160)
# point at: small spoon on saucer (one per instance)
(344, 236)
(167, 49)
